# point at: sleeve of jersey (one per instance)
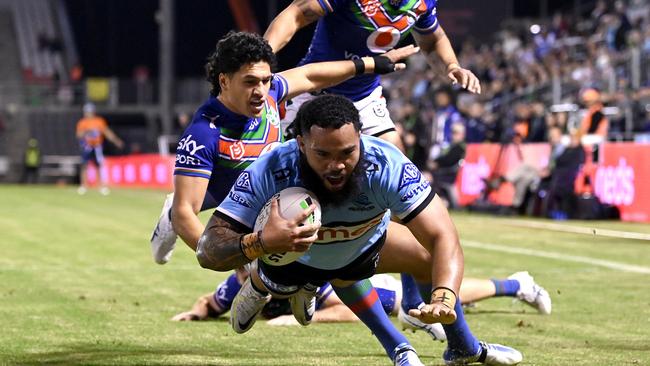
(329, 5)
(428, 22)
(247, 196)
(279, 88)
(408, 191)
(196, 151)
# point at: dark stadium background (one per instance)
(117, 35)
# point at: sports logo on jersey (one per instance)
(237, 150)
(243, 183)
(189, 145)
(347, 231)
(410, 174)
(281, 174)
(379, 110)
(387, 26)
(362, 203)
(238, 199)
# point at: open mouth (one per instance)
(335, 181)
(257, 105)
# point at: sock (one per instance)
(505, 287)
(226, 292)
(460, 340)
(364, 302)
(411, 297)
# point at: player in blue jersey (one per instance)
(349, 29)
(346, 171)
(237, 123)
(330, 308)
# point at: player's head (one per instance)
(89, 109)
(328, 129)
(239, 71)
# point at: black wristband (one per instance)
(383, 65)
(359, 66)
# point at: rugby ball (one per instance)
(292, 202)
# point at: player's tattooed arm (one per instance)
(224, 245)
(295, 16)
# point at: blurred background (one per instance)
(561, 129)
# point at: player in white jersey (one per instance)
(345, 170)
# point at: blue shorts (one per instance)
(288, 279)
(94, 154)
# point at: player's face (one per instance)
(332, 154)
(245, 90)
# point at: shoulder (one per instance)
(383, 153)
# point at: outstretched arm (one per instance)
(435, 230)
(439, 43)
(320, 75)
(295, 16)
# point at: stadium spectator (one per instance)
(561, 195)
(91, 131)
(446, 115)
(217, 303)
(445, 167)
(328, 160)
(32, 162)
(594, 122)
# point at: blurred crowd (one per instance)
(590, 57)
(517, 70)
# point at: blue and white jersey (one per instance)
(358, 28)
(219, 144)
(394, 186)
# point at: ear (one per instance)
(301, 143)
(223, 81)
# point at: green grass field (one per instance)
(78, 287)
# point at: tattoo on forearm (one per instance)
(251, 245)
(307, 12)
(219, 246)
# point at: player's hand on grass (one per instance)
(281, 235)
(436, 312)
(186, 316)
(465, 78)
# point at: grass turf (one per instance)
(78, 287)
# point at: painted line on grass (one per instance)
(560, 256)
(578, 229)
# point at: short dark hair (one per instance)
(233, 51)
(327, 111)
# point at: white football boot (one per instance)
(163, 239)
(406, 356)
(489, 354)
(246, 306)
(412, 323)
(531, 293)
(303, 304)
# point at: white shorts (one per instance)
(373, 113)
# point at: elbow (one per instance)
(208, 262)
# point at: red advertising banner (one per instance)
(622, 178)
(483, 161)
(619, 178)
(145, 170)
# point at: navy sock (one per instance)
(505, 287)
(363, 300)
(460, 340)
(226, 292)
(411, 297)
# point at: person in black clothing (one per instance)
(561, 195)
(444, 168)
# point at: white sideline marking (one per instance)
(578, 229)
(554, 255)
